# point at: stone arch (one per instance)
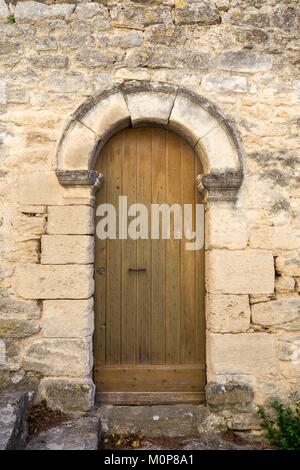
(133, 103)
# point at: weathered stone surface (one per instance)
(149, 107)
(33, 281)
(241, 353)
(19, 307)
(59, 357)
(276, 311)
(75, 41)
(4, 11)
(284, 284)
(68, 395)
(107, 116)
(46, 43)
(229, 397)
(78, 147)
(38, 188)
(272, 238)
(80, 434)
(3, 98)
(17, 328)
(244, 422)
(162, 56)
(242, 61)
(190, 119)
(289, 263)
(201, 12)
(153, 421)
(70, 220)
(240, 272)
(88, 10)
(13, 411)
(137, 16)
(168, 35)
(67, 249)
(227, 313)
(125, 40)
(212, 82)
(95, 58)
(35, 11)
(29, 228)
(49, 61)
(226, 227)
(67, 318)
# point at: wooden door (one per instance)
(149, 341)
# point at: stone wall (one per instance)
(241, 55)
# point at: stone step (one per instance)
(79, 434)
(153, 421)
(13, 413)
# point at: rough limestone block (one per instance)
(201, 12)
(213, 82)
(70, 220)
(137, 16)
(240, 272)
(227, 313)
(241, 353)
(35, 11)
(190, 120)
(11, 327)
(78, 434)
(68, 395)
(36, 281)
(4, 11)
(149, 107)
(67, 249)
(59, 357)
(289, 263)
(29, 228)
(272, 237)
(3, 97)
(77, 148)
(220, 150)
(42, 188)
(14, 406)
(108, 116)
(226, 227)
(276, 312)
(39, 188)
(284, 284)
(19, 307)
(234, 397)
(244, 61)
(67, 318)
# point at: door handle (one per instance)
(136, 270)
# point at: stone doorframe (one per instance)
(200, 122)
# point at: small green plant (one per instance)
(283, 427)
(11, 19)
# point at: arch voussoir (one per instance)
(135, 103)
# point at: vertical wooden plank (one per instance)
(200, 284)
(100, 278)
(158, 317)
(129, 253)
(173, 253)
(144, 151)
(114, 298)
(188, 268)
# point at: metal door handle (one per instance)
(137, 269)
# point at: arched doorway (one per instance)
(149, 339)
